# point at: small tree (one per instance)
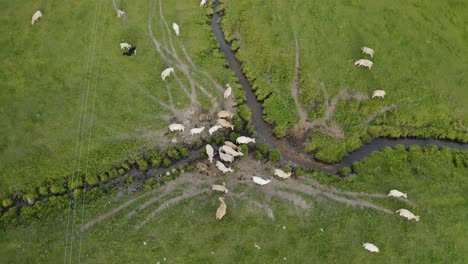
(262, 147)
(275, 155)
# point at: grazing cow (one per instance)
(378, 93)
(36, 16)
(222, 167)
(166, 73)
(202, 168)
(260, 180)
(228, 150)
(244, 140)
(368, 51)
(224, 123)
(370, 247)
(213, 129)
(365, 63)
(120, 13)
(283, 175)
(226, 157)
(407, 214)
(194, 131)
(203, 3)
(396, 194)
(176, 28)
(231, 145)
(219, 188)
(176, 127)
(124, 45)
(228, 91)
(130, 52)
(209, 152)
(221, 211)
(225, 114)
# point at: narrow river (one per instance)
(289, 154)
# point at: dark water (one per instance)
(289, 154)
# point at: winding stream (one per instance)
(289, 155)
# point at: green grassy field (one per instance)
(435, 181)
(60, 114)
(417, 62)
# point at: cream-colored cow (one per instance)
(226, 157)
(283, 175)
(397, 194)
(230, 151)
(213, 129)
(364, 63)
(166, 73)
(228, 91)
(260, 180)
(195, 131)
(244, 140)
(231, 145)
(36, 16)
(176, 127)
(224, 123)
(370, 247)
(209, 152)
(125, 45)
(378, 93)
(222, 167)
(368, 51)
(203, 3)
(407, 214)
(221, 211)
(225, 114)
(176, 28)
(120, 13)
(219, 188)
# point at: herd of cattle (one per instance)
(368, 64)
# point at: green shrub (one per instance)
(238, 124)
(258, 155)
(280, 131)
(345, 171)
(43, 191)
(244, 113)
(92, 179)
(127, 179)
(233, 136)
(219, 140)
(121, 171)
(287, 168)
(7, 202)
(173, 153)
(167, 162)
(275, 155)
(262, 147)
(244, 149)
(113, 174)
(9, 218)
(142, 164)
(103, 177)
(184, 152)
(125, 166)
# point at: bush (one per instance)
(103, 177)
(7, 202)
(287, 168)
(280, 131)
(244, 113)
(43, 191)
(92, 180)
(142, 164)
(275, 155)
(251, 130)
(113, 174)
(167, 162)
(233, 136)
(262, 147)
(238, 124)
(245, 150)
(121, 171)
(9, 218)
(258, 155)
(184, 152)
(220, 140)
(345, 171)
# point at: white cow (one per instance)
(407, 214)
(231, 145)
(283, 175)
(222, 167)
(396, 194)
(260, 180)
(219, 188)
(36, 16)
(378, 93)
(221, 211)
(228, 150)
(225, 114)
(228, 91)
(120, 13)
(166, 73)
(176, 127)
(194, 131)
(370, 247)
(368, 51)
(244, 140)
(125, 45)
(226, 157)
(209, 152)
(203, 3)
(224, 123)
(176, 28)
(213, 129)
(364, 62)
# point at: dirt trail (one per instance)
(378, 112)
(294, 199)
(295, 85)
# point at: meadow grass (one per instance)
(417, 62)
(46, 82)
(189, 233)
